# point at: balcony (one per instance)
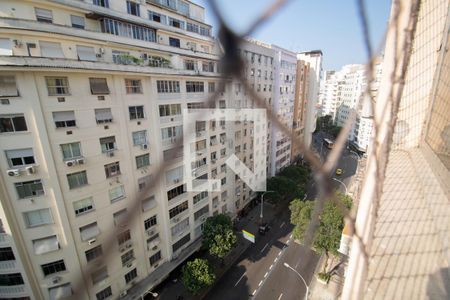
(8, 265)
(10, 291)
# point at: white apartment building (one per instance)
(91, 94)
(285, 69)
(328, 94)
(314, 58)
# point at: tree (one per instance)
(283, 188)
(334, 131)
(299, 174)
(196, 275)
(218, 235)
(328, 236)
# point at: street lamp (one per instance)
(262, 204)
(307, 287)
(154, 295)
(345, 187)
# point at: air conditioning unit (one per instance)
(123, 294)
(70, 163)
(150, 232)
(13, 172)
(30, 170)
(176, 180)
(144, 146)
(90, 242)
(80, 161)
(129, 265)
(199, 134)
(121, 249)
(129, 245)
(110, 153)
(176, 220)
(203, 219)
(55, 280)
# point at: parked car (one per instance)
(263, 228)
(339, 171)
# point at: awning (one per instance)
(62, 116)
(148, 203)
(86, 53)
(103, 114)
(19, 153)
(89, 231)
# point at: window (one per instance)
(43, 15)
(169, 110)
(77, 21)
(8, 86)
(171, 132)
(166, 86)
(139, 137)
(11, 279)
(123, 237)
(192, 27)
(201, 212)
(6, 254)
(45, 245)
(71, 150)
(194, 87)
(6, 47)
(86, 53)
(130, 275)
(29, 188)
(53, 267)
(120, 217)
(13, 123)
(223, 181)
(103, 115)
(175, 192)
(49, 49)
(181, 242)
(133, 8)
(205, 31)
(148, 203)
(20, 157)
(112, 169)
(143, 161)
(103, 294)
(189, 64)
(99, 86)
(108, 144)
(136, 112)
(64, 119)
(178, 209)
(155, 258)
(180, 227)
(104, 3)
(77, 179)
(208, 66)
(127, 30)
(211, 87)
(89, 231)
(133, 86)
(153, 16)
(176, 23)
(144, 181)
(116, 193)
(38, 217)
(200, 196)
(150, 222)
(174, 175)
(174, 42)
(57, 86)
(93, 253)
(127, 257)
(83, 206)
(99, 275)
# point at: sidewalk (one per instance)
(175, 290)
(332, 290)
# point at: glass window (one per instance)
(8, 87)
(13, 123)
(106, 293)
(178, 209)
(29, 188)
(43, 15)
(169, 110)
(104, 3)
(103, 115)
(127, 257)
(45, 245)
(57, 86)
(120, 217)
(99, 275)
(6, 253)
(89, 231)
(38, 217)
(143, 160)
(123, 237)
(133, 86)
(93, 253)
(117, 193)
(201, 212)
(174, 42)
(211, 87)
(20, 157)
(64, 119)
(108, 144)
(192, 27)
(180, 227)
(112, 169)
(195, 87)
(171, 132)
(153, 16)
(189, 64)
(139, 137)
(83, 206)
(53, 267)
(133, 8)
(136, 112)
(130, 276)
(71, 150)
(11, 279)
(166, 86)
(155, 258)
(77, 179)
(150, 222)
(181, 242)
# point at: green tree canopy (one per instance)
(196, 275)
(218, 235)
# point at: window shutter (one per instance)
(99, 86)
(120, 217)
(45, 245)
(8, 86)
(77, 21)
(49, 49)
(86, 53)
(103, 114)
(148, 203)
(19, 153)
(89, 231)
(62, 116)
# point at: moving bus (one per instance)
(328, 143)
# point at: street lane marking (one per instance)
(282, 224)
(265, 275)
(239, 279)
(276, 258)
(290, 237)
(288, 242)
(260, 283)
(271, 266)
(279, 253)
(264, 247)
(254, 292)
(281, 295)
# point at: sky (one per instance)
(332, 26)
